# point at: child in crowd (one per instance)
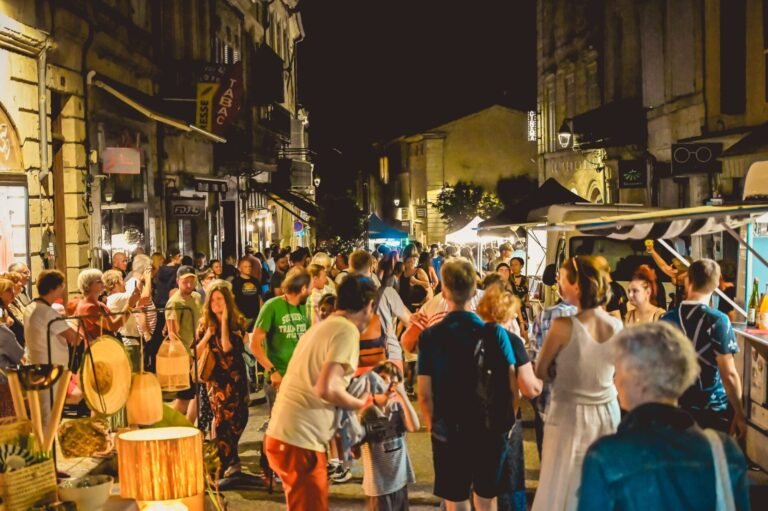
(326, 306)
(316, 286)
(387, 468)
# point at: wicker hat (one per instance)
(105, 376)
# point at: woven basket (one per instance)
(11, 429)
(23, 488)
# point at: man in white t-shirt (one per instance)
(37, 318)
(314, 385)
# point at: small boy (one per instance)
(387, 469)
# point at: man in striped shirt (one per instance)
(715, 398)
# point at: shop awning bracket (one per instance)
(92, 79)
(289, 210)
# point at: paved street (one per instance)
(350, 495)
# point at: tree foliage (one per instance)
(458, 204)
(511, 190)
(339, 221)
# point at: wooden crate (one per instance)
(23, 488)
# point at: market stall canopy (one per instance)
(470, 234)
(549, 193)
(667, 224)
(379, 230)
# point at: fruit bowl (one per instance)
(89, 493)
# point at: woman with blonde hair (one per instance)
(223, 326)
(499, 305)
(90, 283)
(643, 292)
(584, 405)
(11, 351)
(11, 316)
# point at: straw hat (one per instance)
(105, 375)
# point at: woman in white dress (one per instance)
(584, 406)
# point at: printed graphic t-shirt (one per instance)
(246, 293)
(284, 324)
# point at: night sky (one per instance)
(374, 69)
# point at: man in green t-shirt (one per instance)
(280, 324)
(182, 314)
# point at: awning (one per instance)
(146, 105)
(549, 193)
(614, 124)
(297, 200)
(379, 230)
(667, 224)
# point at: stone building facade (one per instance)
(117, 161)
(482, 147)
(662, 74)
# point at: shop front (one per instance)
(14, 223)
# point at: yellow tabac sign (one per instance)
(205, 108)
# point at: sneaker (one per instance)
(332, 467)
(341, 475)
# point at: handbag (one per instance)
(206, 363)
(723, 488)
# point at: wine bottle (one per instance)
(762, 313)
(753, 305)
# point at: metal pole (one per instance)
(683, 260)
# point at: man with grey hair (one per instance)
(659, 458)
(120, 262)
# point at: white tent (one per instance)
(467, 234)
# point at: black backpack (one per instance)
(494, 397)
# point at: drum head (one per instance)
(105, 375)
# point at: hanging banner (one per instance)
(219, 97)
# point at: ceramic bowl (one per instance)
(89, 493)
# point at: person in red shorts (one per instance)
(314, 385)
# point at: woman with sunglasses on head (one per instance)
(584, 405)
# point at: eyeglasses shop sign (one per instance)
(187, 208)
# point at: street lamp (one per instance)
(565, 134)
(397, 203)
(317, 181)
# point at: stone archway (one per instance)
(10, 148)
(595, 193)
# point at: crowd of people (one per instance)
(342, 344)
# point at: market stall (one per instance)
(744, 222)
(380, 233)
(127, 414)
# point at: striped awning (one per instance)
(667, 224)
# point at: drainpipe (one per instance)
(42, 101)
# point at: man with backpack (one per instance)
(466, 385)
